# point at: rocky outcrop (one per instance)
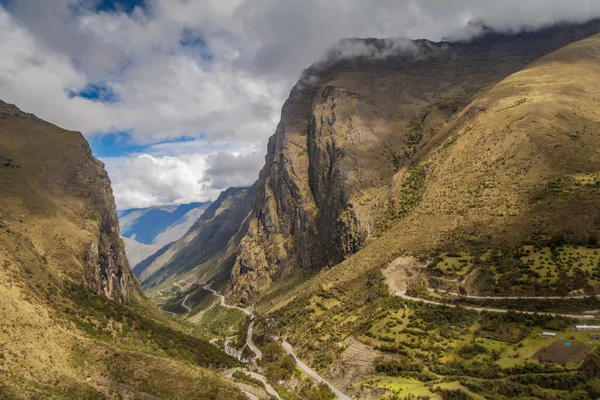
(354, 127)
(107, 268)
(61, 195)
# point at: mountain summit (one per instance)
(358, 147)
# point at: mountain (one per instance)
(412, 205)
(149, 229)
(357, 152)
(207, 250)
(74, 321)
(137, 251)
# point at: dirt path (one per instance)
(258, 376)
(207, 287)
(250, 395)
(508, 297)
(338, 393)
(288, 348)
(403, 294)
(189, 310)
(249, 341)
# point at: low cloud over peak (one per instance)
(217, 71)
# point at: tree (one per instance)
(590, 368)
(462, 291)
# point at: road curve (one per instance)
(403, 295)
(250, 395)
(288, 348)
(258, 376)
(249, 341)
(189, 310)
(261, 378)
(509, 297)
(338, 393)
(207, 287)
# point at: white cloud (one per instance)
(232, 98)
(146, 180)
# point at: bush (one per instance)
(471, 351)
(397, 367)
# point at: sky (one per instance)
(179, 97)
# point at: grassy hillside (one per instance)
(417, 143)
(507, 191)
(74, 322)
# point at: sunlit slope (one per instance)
(365, 142)
(520, 163)
(207, 250)
(505, 171)
(73, 321)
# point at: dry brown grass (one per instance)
(500, 151)
(51, 194)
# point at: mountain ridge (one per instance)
(203, 252)
(75, 323)
(149, 229)
(323, 193)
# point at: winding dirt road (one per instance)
(189, 310)
(403, 294)
(437, 291)
(249, 341)
(207, 287)
(258, 376)
(290, 350)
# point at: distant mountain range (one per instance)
(146, 230)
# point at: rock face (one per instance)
(208, 249)
(61, 197)
(352, 135)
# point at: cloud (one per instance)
(216, 71)
(233, 170)
(181, 172)
(146, 180)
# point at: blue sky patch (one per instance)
(120, 144)
(115, 144)
(99, 92)
(126, 6)
(190, 38)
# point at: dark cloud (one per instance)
(227, 170)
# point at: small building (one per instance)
(550, 334)
(587, 327)
(588, 317)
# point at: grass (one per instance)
(221, 322)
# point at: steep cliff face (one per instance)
(207, 249)
(344, 156)
(59, 198)
(70, 303)
(507, 204)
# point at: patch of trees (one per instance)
(551, 381)
(317, 392)
(277, 365)
(474, 369)
(397, 367)
(471, 351)
(443, 318)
